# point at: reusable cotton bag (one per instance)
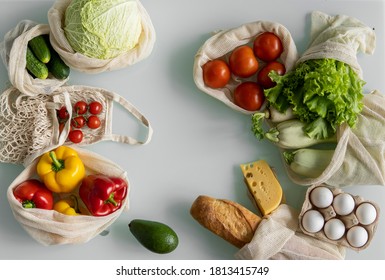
(86, 64)
(223, 42)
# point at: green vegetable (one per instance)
(35, 66)
(57, 67)
(323, 93)
(291, 134)
(309, 163)
(102, 29)
(40, 48)
(155, 236)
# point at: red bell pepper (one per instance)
(103, 195)
(33, 194)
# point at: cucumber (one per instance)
(40, 48)
(35, 66)
(57, 67)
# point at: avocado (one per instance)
(155, 236)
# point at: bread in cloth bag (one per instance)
(13, 51)
(222, 43)
(87, 64)
(49, 227)
(29, 125)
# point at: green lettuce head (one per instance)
(102, 29)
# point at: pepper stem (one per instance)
(28, 204)
(111, 200)
(57, 164)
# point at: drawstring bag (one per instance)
(87, 64)
(221, 45)
(13, 51)
(278, 237)
(29, 125)
(49, 227)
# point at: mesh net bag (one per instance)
(87, 64)
(222, 43)
(29, 125)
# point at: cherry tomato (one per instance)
(263, 74)
(75, 136)
(249, 96)
(78, 122)
(63, 113)
(61, 127)
(267, 46)
(216, 73)
(93, 122)
(243, 62)
(80, 107)
(95, 107)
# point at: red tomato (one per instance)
(63, 113)
(80, 107)
(216, 73)
(263, 74)
(249, 96)
(75, 136)
(95, 108)
(78, 122)
(93, 122)
(243, 62)
(267, 46)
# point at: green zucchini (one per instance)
(57, 67)
(35, 66)
(40, 48)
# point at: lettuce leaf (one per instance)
(323, 93)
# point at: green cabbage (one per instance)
(102, 29)
(323, 93)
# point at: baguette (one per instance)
(227, 219)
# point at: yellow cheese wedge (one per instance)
(263, 185)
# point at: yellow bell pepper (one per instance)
(67, 206)
(61, 169)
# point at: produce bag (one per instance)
(13, 51)
(223, 42)
(49, 227)
(278, 237)
(359, 158)
(29, 125)
(87, 64)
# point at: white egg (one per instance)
(366, 213)
(321, 197)
(334, 229)
(343, 204)
(357, 236)
(312, 221)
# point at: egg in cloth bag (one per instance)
(29, 128)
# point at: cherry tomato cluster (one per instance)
(84, 115)
(244, 62)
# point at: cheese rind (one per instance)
(263, 185)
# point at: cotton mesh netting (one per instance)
(25, 125)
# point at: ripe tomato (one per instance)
(267, 46)
(95, 107)
(93, 122)
(75, 136)
(80, 107)
(249, 96)
(216, 73)
(63, 113)
(243, 62)
(78, 122)
(263, 74)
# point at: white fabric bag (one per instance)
(29, 125)
(86, 64)
(222, 43)
(49, 227)
(13, 51)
